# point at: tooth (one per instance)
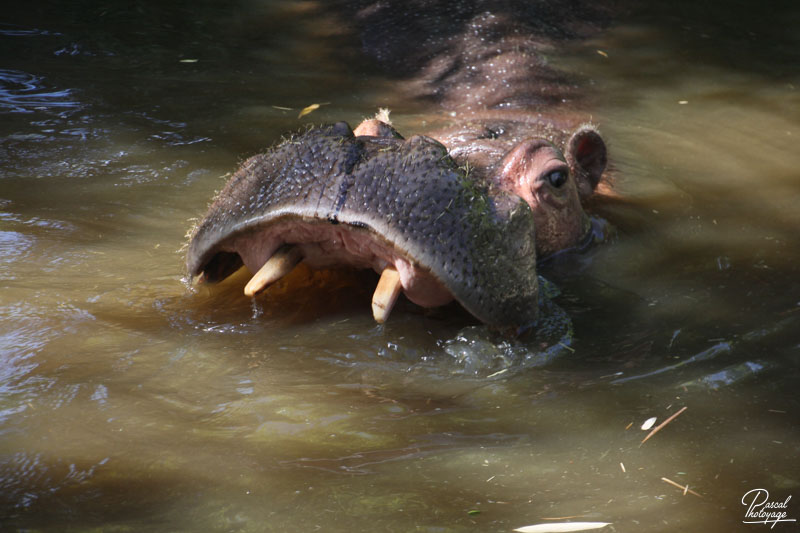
(386, 294)
(281, 263)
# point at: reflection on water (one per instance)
(21, 92)
(129, 401)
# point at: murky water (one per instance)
(131, 403)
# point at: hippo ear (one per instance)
(376, 128)
(587, 157)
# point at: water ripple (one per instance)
(21, 92)
(13, 246)
(12, 30)
(25, 477)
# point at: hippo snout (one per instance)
(434, 231)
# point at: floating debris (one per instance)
(649, 423)
(562, 527)
(567, 347)
(685, 489)
(662, 424)
(311, 108)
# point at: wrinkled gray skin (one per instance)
(552, 167)
(373, 202)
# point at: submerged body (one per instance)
(460, 215)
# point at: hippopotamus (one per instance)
(462, 213)
(436, 225)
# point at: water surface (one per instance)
(129, 402)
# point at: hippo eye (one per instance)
(557, 178)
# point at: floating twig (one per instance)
(678, 485)
(662, 424)
(499, 372)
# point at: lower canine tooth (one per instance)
(386, 294)
(281, 263)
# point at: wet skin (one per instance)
(403, 208)
(436, 229)
(440, 221)
(552, 167)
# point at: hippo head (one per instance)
(553, 168)
(404, 208)
(554, 185)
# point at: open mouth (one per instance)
(273, 251)
(399, 207)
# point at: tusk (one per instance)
(386, 294)
(281, 263)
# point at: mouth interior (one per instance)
(325, 245)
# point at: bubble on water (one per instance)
(472, 351)
(100, 394)
(478, 351)
(257, 309)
